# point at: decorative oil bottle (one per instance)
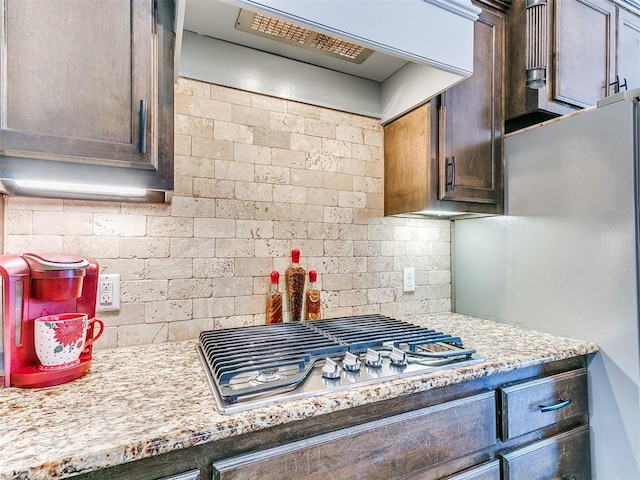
(295, 277)
(312, 298)
(274, 300)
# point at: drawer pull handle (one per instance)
(569, 478)
(142, 134)
(555, 406)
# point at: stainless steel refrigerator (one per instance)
(564, 259)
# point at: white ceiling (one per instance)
(217, 19)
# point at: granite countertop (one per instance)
(141, 401)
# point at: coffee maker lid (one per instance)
(55, 261)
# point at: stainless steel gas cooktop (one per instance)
(250, 367)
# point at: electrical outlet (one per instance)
(108, 292)
(409, 279)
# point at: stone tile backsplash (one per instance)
(255, 176)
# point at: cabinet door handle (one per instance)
(624, 84)
(556, 406)
(142, 137)
(452, 182)
(617, 85)
(568, 478)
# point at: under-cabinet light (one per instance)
(81, 188)
(436, 213)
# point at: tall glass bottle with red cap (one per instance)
(312, 298)
(295, 277)
(274, 301)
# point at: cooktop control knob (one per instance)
(398, 357)
(351, 362)
(373, 359)
(331, 369)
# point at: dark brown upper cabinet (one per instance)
(628, 49)
(446, 155)
(87, 92)
(565, 55)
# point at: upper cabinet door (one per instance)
(628, 50)
(74, 77)
(584, 41)
(471, 122)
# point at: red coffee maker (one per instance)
(34, 285)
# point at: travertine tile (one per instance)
(306, 143)
(43, 222)
(188, 329)
(254, 229)
(257, 192)
(193, 247)
(232, 132)
(208, 108)
(249, 304)
(272, 174)
(213, 308)
(286, 122)
(255, 176)
(193, 88)
(288, 158)
(271, 138)
(30, 243)
(119, 225)
(252, 116)
(92, 246)
(220, 149)
(338, 148)
(194, 126)
(168, 311)
(142, 334)
(213, 267)
(129, 269)
(133, 291)
(350, 133)
(170, 227)
(19, 222)
(163, 268)
(289, 194)
(231, 95)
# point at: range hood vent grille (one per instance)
(275, 29)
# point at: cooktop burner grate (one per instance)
(248, 364)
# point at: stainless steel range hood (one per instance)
(417, 49)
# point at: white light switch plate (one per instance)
(108, 293)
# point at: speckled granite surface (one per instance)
(137, 402)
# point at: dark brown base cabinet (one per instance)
(389, 448)
(524, 424)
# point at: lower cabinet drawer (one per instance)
(565, 456)
(486, 471)
(390, 448)
(539, 403)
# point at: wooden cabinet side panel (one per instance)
(391, 448)
(628, 68)
(407, 161)
(521, 412)
(584, 42)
